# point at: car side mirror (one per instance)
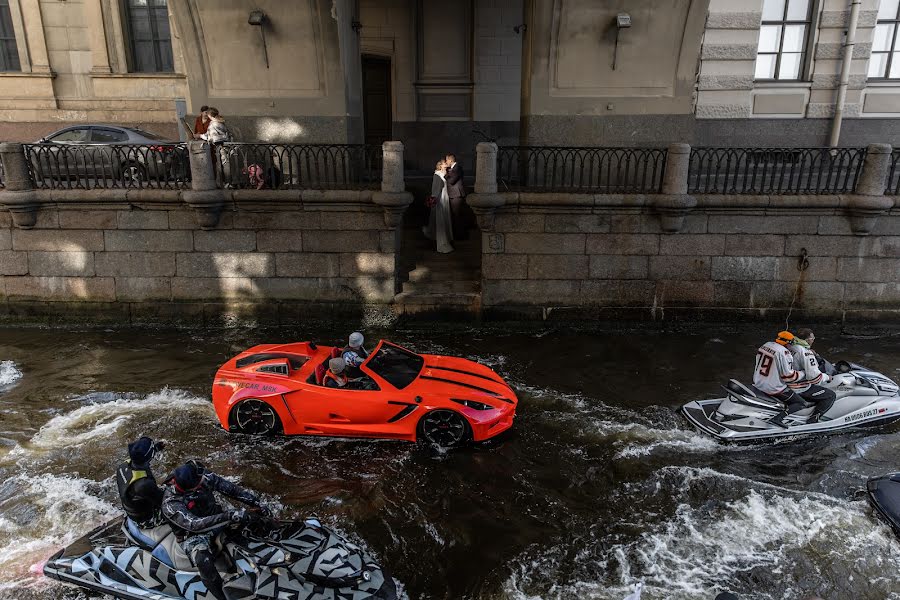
(42, 141)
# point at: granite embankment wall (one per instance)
(727, 261)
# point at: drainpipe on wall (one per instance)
(845, 73)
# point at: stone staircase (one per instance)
(432, 282)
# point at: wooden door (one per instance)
(376, 73)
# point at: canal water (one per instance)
(600, 485)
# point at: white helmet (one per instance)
(356, 339)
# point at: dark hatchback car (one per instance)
(103, 152)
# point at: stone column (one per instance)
(204, 196)
(393, 196)
(869, 201)
(18, 197)
(674, 203)
(37, 41)
(485, 201)
(93, 13)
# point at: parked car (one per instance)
(102, 152)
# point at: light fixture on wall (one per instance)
(521, 28)
(623, 21)
(259, 19)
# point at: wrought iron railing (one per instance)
(299, 166)
(774, 170)
(893, 181)
(108, 166)
(581, 169)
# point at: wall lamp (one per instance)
(259, 19)
(623, 21)
(520, 28)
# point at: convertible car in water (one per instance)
(444, 401)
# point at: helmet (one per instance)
(356, 339)
(189, 476)
(785, 338)
(337, 365)
(142, 450)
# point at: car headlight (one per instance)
(473, 404)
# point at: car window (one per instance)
(395, 365)
(108, 136)
(71, 135)
(147, 134)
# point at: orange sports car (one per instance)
(277, 388)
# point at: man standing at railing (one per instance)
(456, 191)
(216, 134)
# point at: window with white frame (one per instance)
(9, 53)
(783, 40)
(885, 60)
(149, 38)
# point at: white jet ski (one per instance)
(865, 398)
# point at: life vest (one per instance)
(341, 380)
(363, 354)
(141, 510)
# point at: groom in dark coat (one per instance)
(456, 191)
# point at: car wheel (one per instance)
(255, 417)
(444, 428)
(133, 174)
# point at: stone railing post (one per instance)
(18, 197)
(393, 196)
(674, 203)
(869, 201)
(204, 196)
(485, 201)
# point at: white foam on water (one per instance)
(9, 373)
(699, 550)
(94, 421)
(62, 508)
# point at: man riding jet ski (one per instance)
(193, 558)
(772, 407)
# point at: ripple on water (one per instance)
(726, 533)
(9, 373)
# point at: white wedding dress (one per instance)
(440, 225)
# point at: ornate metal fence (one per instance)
(108, 166)
(774, 170)
(581, 170)
(893, 182)
(299, 166)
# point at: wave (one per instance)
(100, 420)
(9, 373)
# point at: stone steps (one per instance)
(430, 272)
(426, 288)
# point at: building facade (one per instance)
(443, 76)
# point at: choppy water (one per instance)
(600, 485)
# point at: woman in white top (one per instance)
(440, 227)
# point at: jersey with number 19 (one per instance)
(774, 368)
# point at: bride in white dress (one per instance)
(440, 226)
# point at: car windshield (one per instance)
(395, 365)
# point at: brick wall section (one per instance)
(158, 260)
(725, 260)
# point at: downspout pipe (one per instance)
(849, 43)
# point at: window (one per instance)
(149, 37)
(781, 55)
(9, 53)
(70, 136)
(885, 60)
(108, 136)
(395, 365)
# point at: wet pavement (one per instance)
(601, 483)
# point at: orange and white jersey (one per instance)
(774, 369)
(805, 360)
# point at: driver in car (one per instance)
(808, 386)
(189, 503)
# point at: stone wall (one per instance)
(134, 259)
(548, 257)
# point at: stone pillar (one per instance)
(204, 196)
(393, 196)
(869, 201)
(37, 41)
(674, 203)
(18, 197)
(485, 201)
(93, 13)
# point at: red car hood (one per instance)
(462, 378)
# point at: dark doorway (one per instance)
(376, 75)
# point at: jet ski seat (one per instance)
(161, 542)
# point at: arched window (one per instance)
(150, 41)
(9, 54)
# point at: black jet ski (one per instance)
(884, 493)
(266, 560)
